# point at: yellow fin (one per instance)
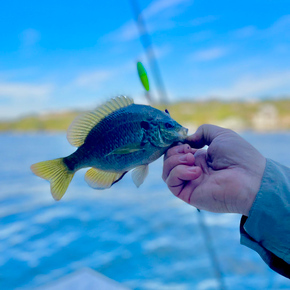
(99, 179)
(83, 124)
(139, 174)
(57, 173)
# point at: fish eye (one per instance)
(145, 125)
(168, 125)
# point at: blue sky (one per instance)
(61, 55)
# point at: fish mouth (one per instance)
(183, 132)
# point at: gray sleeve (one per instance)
(267, 229)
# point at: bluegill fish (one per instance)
(113, 139)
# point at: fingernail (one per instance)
(192, 169)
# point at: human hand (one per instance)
(224, 178)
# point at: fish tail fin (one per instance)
(57, 173)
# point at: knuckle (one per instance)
(168, 166)
(176, 150)
(169, 152)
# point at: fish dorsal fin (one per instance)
(99, 179)
(83, 124)
(139, 174)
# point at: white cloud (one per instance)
(209, 54)
(93, 79)
(24, 91)
(201, 35)
(159, 52)
(253, 86)
(18, 98)
(203, 20)
(280, 27)
(245, 32)
(29, 37)
(159, 6)
(129, 30)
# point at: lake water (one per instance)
(143, 238)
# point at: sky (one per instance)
(63, 55)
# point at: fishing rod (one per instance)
(147, 45)
(201, 221)
(149, 51)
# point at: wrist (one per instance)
(254, 184)
(248, 203)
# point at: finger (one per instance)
(180, 175)
(204, 135)
(180, 149)
(201, 160)
(188, 192)
(179, 184)
(175, 160)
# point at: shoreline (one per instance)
(263, 116)
(63, 132)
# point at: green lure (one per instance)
(143, 75)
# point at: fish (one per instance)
(113, 139)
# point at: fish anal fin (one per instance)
(139, 174)
(99, 179)
(120, 178)
(83, 124)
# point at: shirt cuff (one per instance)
(267, 229)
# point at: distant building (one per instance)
(266, 119)
(234, 123)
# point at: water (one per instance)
(145, 238)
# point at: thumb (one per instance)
(204, 135)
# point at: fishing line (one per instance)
(147, 45)
(211, 251)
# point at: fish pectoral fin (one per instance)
(139, 174)
(129, 148)
(99, 179)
